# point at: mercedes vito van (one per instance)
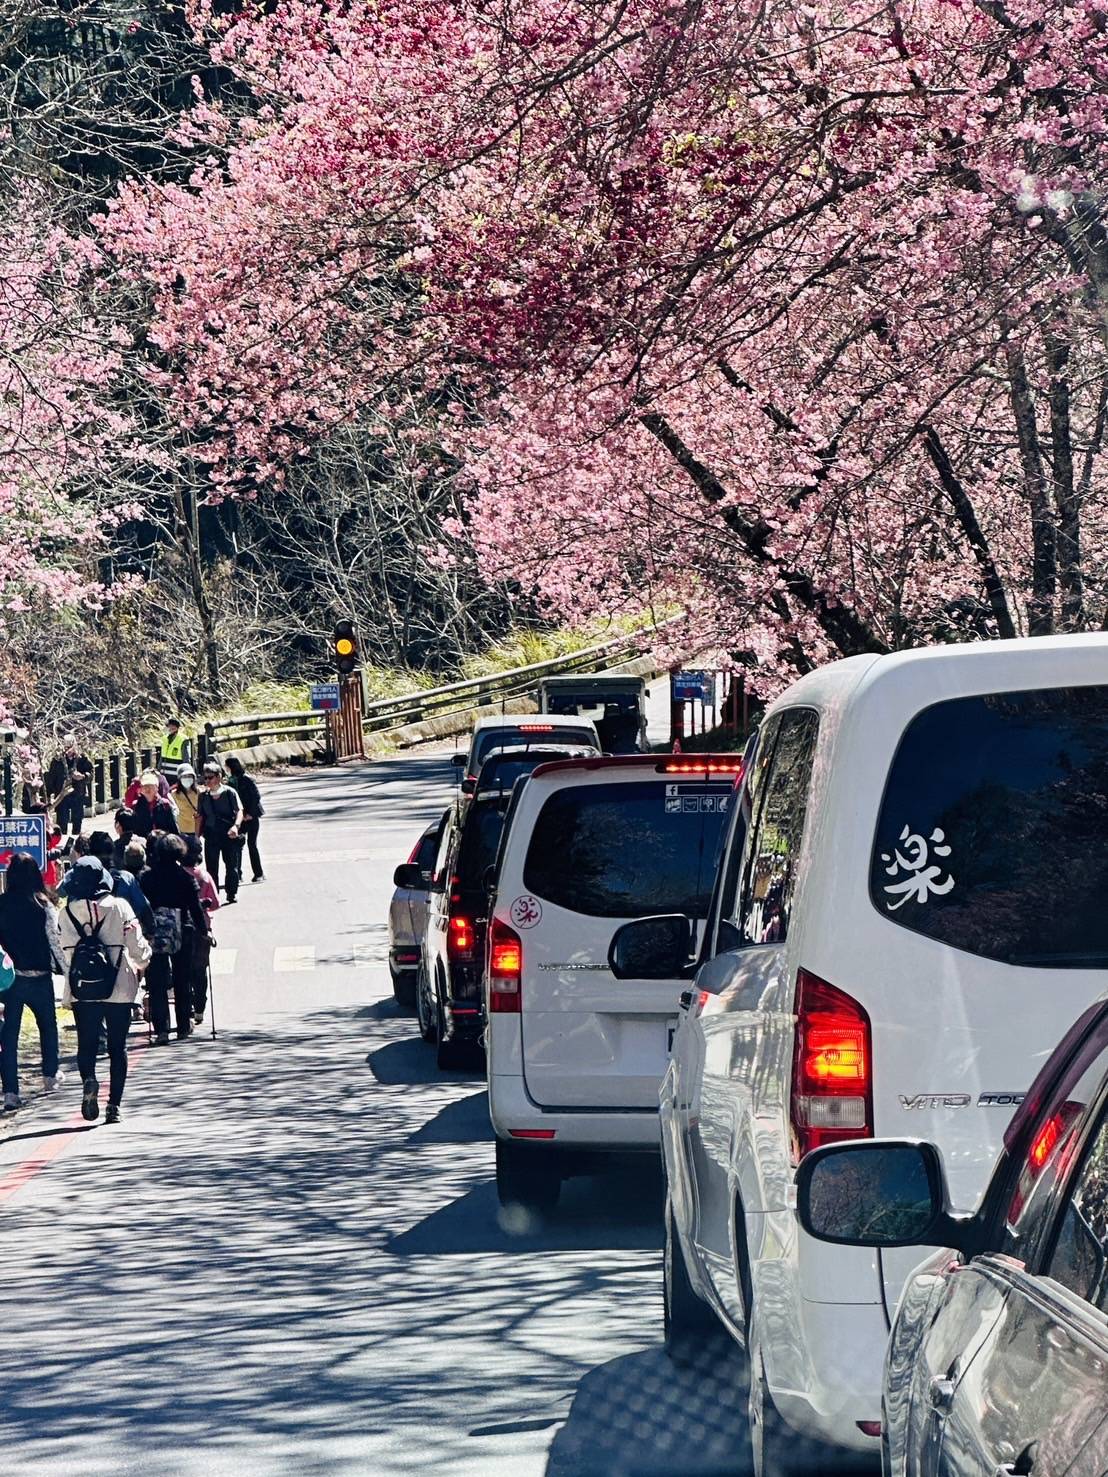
(910, 909)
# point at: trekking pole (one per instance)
(211, 995)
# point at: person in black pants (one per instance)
(29, 936)
(220, 822)
(67, 784)
(252, 812)
(170, 890)
(91, 909)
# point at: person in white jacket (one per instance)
(90, 906)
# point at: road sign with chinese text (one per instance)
(23, 833)
(325, 696)
(693, 687)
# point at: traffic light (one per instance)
(344, 643)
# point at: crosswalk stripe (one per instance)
(223, 961)
(292, 957)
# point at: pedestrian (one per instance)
(123, 823)
(67, 785)
(29, 936)
(178, 921)
(220, 819)
(176, 750)
(125, 883)
(252, 812)
(106, 953)
(186, 798)
(150, 812)
(134, 788)
(203, 943)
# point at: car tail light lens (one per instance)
(460, 937)
(1051, 1148)
(505, 968)
(532, 1133)
(536, 728)
(832, 1086)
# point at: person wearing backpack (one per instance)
(178, 921)
(29, 936)
(105, 952)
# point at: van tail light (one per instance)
(505, 968)
(832, 1086)
(460, 936)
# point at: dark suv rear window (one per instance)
(556, 733)
(625, 850)
(481, 829)
(993, 835)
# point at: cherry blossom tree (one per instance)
(794, 318)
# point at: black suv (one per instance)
(448, 993)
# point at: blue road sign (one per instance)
(325, 696)
(23, 833)
(693, 687)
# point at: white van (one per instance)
(911, 908)
(575, 1056)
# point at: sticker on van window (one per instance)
(924, 878)
(696, 800)
(526, 911)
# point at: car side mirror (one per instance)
(469, 786)
(408, 875)
(728, 937)
(880, 1193)
(458, 760)
(652, 948)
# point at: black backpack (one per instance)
(92, 974)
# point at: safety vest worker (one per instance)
(176, 750)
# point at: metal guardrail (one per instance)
(413, 707)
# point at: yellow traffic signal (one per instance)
(344, 644)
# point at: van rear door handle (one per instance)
(686, 999)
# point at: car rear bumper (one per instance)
(840, 1373)
(511, 1108)
(464, 1020)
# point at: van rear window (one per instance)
(625, 850)
(993, 834)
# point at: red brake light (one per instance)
(1045, 1140)
(460, 937)
(505, 966)
(689, 766)
(832, 1086)
(1043, 1149)
(536, 728)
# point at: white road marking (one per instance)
(293, 956)
(223, 961)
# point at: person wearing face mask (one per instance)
(187, 800)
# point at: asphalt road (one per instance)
(289, 1257)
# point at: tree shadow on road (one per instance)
(259, 1271)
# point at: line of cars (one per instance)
(844, 957)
